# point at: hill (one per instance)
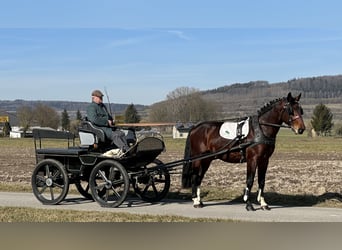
(241, 99)
(235, 100)
(9, 108)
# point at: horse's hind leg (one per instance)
(196, 190)
(261, 200)
(199, 170)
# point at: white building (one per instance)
(180, 131)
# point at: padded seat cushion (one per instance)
(62, 151)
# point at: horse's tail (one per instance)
(187, 165)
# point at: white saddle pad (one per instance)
(229, 131)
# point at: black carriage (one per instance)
(94, 168)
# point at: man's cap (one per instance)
(97, 93)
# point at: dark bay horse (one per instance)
(255, 149)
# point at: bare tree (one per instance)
(46, 116)
(183, 104)
(158, 112)
(25, 115)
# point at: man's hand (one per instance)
(111, 123)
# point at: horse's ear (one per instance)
(298, 97)
(289, 98)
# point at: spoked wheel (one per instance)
(83, 188)
(50, 182)
(109, 183)
(152, 186)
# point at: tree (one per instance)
(131, 114)
(46, 116)
(322, 120)
(78, 115)
(183, 104)
(7, 129)
(65, 122)
(158, 112)
(25, 115)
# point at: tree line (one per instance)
(188, 105)
(184, 104)
(323, 87)
(44, 116)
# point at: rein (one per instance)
(280, 126)
(275, 125)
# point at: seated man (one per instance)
(99, 116)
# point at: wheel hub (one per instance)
(108, 185)
(49, 182)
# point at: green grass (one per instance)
(29, 143)
(17, 214)
(289, 142)
(16, 143)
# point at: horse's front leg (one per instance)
(261, 181)
(196, 196)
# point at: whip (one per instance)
(109, 105)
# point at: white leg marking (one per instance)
(261, 199)
(197, 200)
(245, 197)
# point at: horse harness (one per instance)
(259, 138)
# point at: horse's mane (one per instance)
(268, 106)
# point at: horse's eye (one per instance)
(290, 110)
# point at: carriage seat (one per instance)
(90, 135)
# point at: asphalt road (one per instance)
(219, 209)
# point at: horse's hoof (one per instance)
(250, 207)
(199, 205)
(265, 208)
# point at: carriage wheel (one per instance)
(84, 189)
(109, 183)
(50, 182)
(152, 186)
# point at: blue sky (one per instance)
(142, 50)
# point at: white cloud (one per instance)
(180, 34)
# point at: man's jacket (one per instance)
(98, 115)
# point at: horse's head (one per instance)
(293, 114)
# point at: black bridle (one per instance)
(292, 118)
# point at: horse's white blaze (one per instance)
(261, 199)
(197, 200)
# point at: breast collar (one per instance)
(259, 137)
